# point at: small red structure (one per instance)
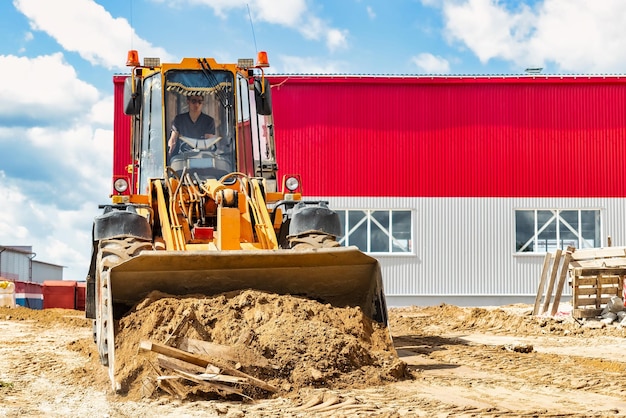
(59, 294)
(80, 296)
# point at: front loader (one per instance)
(213, 217)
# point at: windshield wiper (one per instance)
(219, 90)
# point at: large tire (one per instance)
(313, 240)
(111, 252)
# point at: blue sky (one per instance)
(57, 59)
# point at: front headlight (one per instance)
(292, 184)
(120, 185)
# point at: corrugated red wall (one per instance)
(121, 133)
(452, 136)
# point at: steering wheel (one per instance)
(198, 144)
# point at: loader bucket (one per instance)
(340, 276)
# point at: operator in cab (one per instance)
(192, 124)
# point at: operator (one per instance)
(192, 124)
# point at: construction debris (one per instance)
(596, 276)
(249, 345)
(553, 267)
(224, 379)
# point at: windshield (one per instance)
(199, 122)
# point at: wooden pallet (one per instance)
(593, 288)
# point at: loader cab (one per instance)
(236, 98)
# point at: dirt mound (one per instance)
(302, 342)
(512, 319)
(46, 316)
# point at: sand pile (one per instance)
(287, 341)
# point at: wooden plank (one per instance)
(173, 352)
(600, 263)
(209, 348)
(203, 361)
(594, 271)
(561, 284)
(212, 377)
(241, 355)
(586, 302)
(586, 313)
(542, 282)
(217, 386)
(593, 253)
(175, 364)
(604, 281)
(555, 268)
(585, 280)
(586, 291)
(594, 291)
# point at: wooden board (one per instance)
(542, 282)
(586, 313)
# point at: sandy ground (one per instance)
(461, 362)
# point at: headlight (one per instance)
(292, 184)
(120, 185)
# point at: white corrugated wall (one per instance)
(464, 248)
(15, 265)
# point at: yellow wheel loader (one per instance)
(204, 212)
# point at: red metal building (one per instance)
(494, 171)
(453, 136)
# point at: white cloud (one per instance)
(51, 197)
(336, 39)
(581, 35)
(432, 64)
(487, 28)
(101, 112)
(85, 27)
(283, 12)
(70, 150)
(370, 12)
(309, 65)
(11, 229)
(56, 143)
(574, 35)
(41, 88)
(61, 237)
(293, 14)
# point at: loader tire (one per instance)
(111, 252)
(317, 240)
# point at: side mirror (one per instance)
(132, 101)
(263, 97)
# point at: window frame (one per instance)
(368, 217)
(582, 242)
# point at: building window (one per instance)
(377, 231)
(541, 231)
